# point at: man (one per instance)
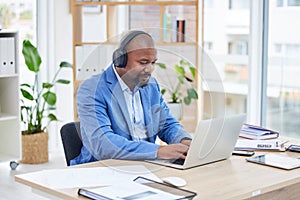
(121, 110)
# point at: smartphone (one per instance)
(243, 153)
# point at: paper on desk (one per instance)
(132, 190)
(244, 144)
(96, 176)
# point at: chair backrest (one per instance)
(71, 139)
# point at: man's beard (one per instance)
(143, 79)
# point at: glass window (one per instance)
(238, 47)
(208, 46)
(226, 76)
(279, 3)
(293, 2)
(238, 4)
(283, 84)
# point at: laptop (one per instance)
(214, 140)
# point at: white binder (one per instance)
(3, 61)
(7, 56)
(11, 57)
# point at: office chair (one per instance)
(71, 139)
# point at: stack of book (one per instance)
(257, 133)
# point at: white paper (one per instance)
(96, 176)
(131, 190)
(258, 144)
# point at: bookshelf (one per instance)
(109, 19)
(10, 143)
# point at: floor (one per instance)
(9, 189)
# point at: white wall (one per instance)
(63, 52)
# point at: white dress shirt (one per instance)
(135, 110)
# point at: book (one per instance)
(257, 132)
(180, 30)
(273, 144)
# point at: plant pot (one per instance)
(34, 148)
(176, 110)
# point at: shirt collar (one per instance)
(123, 85)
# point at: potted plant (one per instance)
(182, 89)
(37, 106)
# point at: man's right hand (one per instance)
(172, 151)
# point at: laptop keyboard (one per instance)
(179, 161)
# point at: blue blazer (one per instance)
(105, 123)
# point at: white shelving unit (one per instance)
(10, 135)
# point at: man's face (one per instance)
(140, 65)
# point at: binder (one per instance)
(3, 61)
(7, 56)
(11, 57)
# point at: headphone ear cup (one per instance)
(120, 58)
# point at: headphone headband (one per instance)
(130, 37)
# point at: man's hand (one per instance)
(172, 151)
(186, 142)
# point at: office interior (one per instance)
(252, 47)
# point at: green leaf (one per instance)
(27, 95)
(181, 79)
(31, 56)
(52, 117)
(25, 85)
(192, 93)
(163, 91)
(63, 81)
(193, 72)
(47, 85)
(65, 64)
(51, 108)
(50, 98)
(187, 100)
(161, 65)
(179, 70)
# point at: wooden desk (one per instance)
(234, 178)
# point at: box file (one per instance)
(7, 56)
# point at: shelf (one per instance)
(7, 117)
(119, 16)
(10, 143)
(157, 43)
(9, 75)
(116, 3)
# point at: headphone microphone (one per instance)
(120, 54)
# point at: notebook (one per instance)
(214, 140)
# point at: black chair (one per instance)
(71, 139)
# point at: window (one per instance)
(283, 85)
(238, 4)
(238, 48)
(226, 36)
(279, 3)
(208, 46)
(293, 2)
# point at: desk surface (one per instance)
(234, 178)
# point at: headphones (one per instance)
(120, 54)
